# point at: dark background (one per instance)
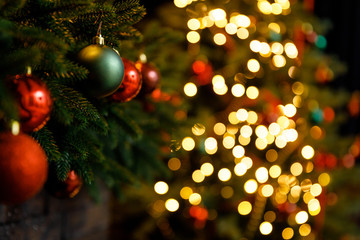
(344, 37)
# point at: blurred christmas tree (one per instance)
(266, 157)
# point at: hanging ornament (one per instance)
(23, 168)
(131, 84)
(64, 189)
(203, 72)
(34, 101)
(106, 69)
(150, 75)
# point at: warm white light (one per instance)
(190, 89)
(224, 174)
(238, 90)
(261, 174)
(172, 205)
(161, 187)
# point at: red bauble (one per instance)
(150, 77)
(131, 84)
(34, 101)
(203, 72)
(23, 168)
(64, 189)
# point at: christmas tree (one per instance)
(268, 158)
(212, 120)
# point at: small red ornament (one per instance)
(34, 101)
(23, 168)
(131, 84)
(150, 77)
(203, 72)
(64, 189)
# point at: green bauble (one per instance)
(106, 70)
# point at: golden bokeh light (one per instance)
(280, 141)
(221, 23)
(289, 110)
(218, 81)
(252, 92)
(198, 176)
(242, 33)
(242, 21)
(238, 151)
(255, 45)
(298, 88)
(252, 117)
(262, 175)
(250, 186)
(217, 14)
(324, 179)
(246, 131)
(243, 140)
(274, 171)
(301, 217)
(307, 197)
(172, 205)
(247, 161)
(233, 118)
(190, 89)
(174, 164)
(185, 192)
(313, 205)
(231, 28)
(224, 174)
(198, 129)
(242, 114)
(161, 187)
(193, 24)
(210, 143)
(305, 230)
(265, 49)
(193, 37)
(316, 189)
(270, 216)
(261, 143)
(277, 48)
(253, 65)
(274, 129)
(283, 122)
(261, 131)
(291, 50)
(296, 169)
(279, 61)
(188, 143)
(264, 7)
(307, 152)
(271, 155)
(265, 228)
(195, 199)
(240, 169)
(229, 141)
(238, 90)
(267, 190)
(244, 207)
(287, 233)
(181, 3)
(219, 128)
(276, 9)
(219, 39)
(275, 28)
(207, 169)
(207, 22)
